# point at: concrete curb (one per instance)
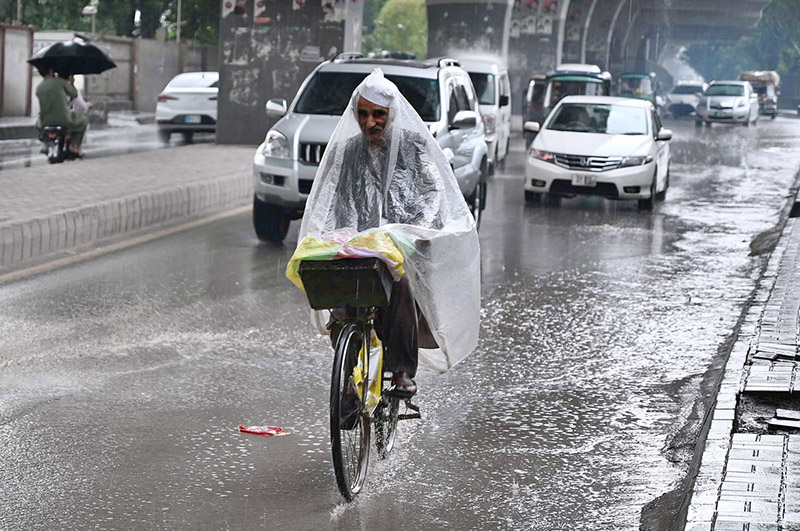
(703, 512)
(28, 240)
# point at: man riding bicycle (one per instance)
(383, 171)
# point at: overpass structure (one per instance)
(534, 36)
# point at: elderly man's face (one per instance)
(372, 119)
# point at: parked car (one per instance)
(286, 162)
(603, 146)
(682, 99)
(187, 105)
(574, 80)
(493, 90)
(727, 102)
(765, 83)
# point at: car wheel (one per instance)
(270, 222)
(477, 201)
(164, 135)
(552, 200)
(649, 203)
(533, 198)
(187, 137)
(774, 115)
(698, 123)
(660, 196)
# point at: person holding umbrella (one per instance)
(68, 59)
(54, 93)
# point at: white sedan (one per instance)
(602, 146)
(187, 105)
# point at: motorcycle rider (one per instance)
(54, 94)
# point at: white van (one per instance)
(493, 89)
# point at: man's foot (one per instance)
(402, 384)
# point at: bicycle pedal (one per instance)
(409, 416)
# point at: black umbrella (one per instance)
(74, 57)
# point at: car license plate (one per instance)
(583, 180)
(193, 119)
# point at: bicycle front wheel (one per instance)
(350, 424)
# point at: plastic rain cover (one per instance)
(405, 187)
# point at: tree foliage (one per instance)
(401, 26)
(116, 17)
(773, 44)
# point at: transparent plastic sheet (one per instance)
(406, 188)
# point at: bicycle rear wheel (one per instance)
(350, 424)
(386, 425)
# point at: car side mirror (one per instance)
(503, 100)
(277, 107)
(664, 134)
(531, 127)
(464, 120)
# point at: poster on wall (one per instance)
(544, 26)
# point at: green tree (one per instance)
(773, 44)
(116, 17)
(402, 26)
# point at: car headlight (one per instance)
(276, 145)
(742, 103)
(635, 161)
(488, 122)
(545, 156)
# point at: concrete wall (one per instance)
(266, 51)
(16, 46)
(159, 62)
(113, 85)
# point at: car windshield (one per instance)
(559, 89)
(635, 85)
(687, 89)
(484, 87)
(725, 90)
(599, 118)
(193, 81)
(330, 92)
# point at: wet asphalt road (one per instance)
(122, 379)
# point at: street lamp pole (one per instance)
(178, 34)
(19, 12)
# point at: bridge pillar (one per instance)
(267, 49)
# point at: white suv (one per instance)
(286, 162)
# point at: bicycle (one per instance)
(361, 394)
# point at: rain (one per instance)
(636, 265)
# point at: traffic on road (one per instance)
(411, 265)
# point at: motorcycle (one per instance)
(56, 144)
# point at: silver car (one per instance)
(286, 162)
(727, 102)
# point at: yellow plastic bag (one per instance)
(366, 245)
